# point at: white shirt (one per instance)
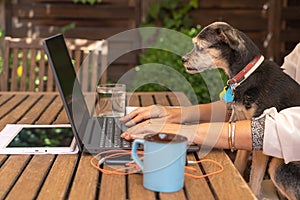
(282, 129)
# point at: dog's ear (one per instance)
(231, 37)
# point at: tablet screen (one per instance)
(43, 137)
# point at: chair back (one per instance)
(26, 66)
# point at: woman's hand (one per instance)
(153, 126)
(164, 114)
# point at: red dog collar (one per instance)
(246, 72)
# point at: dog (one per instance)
(219, 45)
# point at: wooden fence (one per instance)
(274, 25)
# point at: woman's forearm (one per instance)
(211, 112)
(217, 134)
(214, 134)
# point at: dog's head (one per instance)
(219, 45)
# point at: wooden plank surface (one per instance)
(51, 112)
(161, 99)
(5, 98)
(31, 178)
(197, 188)
(172, 195)
(31, 116)
(179, 99)
(117, 185)
(10, 105)
(136, 189)
(85, 183)
(229, 184)
(133, 100)
(10, 172)
(146, 100)
(16, 109)
(59, 178)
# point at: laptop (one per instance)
(93, 134)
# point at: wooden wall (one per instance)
(285, 26)
(274, 25)
(250, 16)
(43, 18)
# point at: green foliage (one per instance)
(174, 14)
(68, 27)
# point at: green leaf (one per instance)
(92, 2)
(68, 27)
(170, 4)
(169, 23)
(194, 3)
(1, 32)
(153, 10)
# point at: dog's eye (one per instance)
(198, 48)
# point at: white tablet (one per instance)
(37, 139)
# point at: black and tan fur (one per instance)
(221, 46)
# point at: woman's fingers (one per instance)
(141, 129)
(143, 113)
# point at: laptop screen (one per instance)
(68, 85)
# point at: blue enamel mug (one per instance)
(163, 162)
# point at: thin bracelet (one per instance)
(229, 136)
(232, 137)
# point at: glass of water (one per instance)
(111, 100)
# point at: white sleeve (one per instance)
(282, 133)
(291, 64)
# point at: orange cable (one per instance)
(133, 168)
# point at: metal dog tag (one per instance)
(227, 96)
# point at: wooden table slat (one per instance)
(19, 110)
(85, 184)
(62, 118)
(50, 114)
(11, 104)
(229, 184)
(2, 159)
(57, 182)
(31, 116)
(197, 188)
(117, 185)
(147, 100)
(172, 195)
(179, 99)
(32, 177)
(136, 189)
(10, 171)
(5, 98)
(133, 100)
(161, 99)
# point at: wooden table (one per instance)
(73, 177)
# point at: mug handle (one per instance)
(134, 155)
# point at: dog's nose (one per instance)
(184, 59)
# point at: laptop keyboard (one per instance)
(111, 129)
